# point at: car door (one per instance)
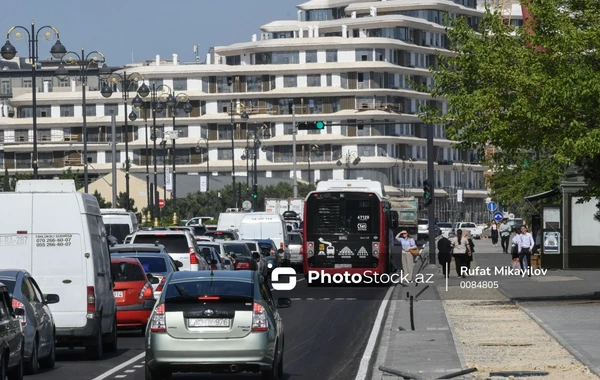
(10, 328)
(44, 316)
(271, 304)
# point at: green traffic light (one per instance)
(254, 196)
(320, 124)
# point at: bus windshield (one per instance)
(343, 213)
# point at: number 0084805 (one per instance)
(479, 284)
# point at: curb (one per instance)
(459, 351)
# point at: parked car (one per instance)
(295, 248)
(11, 338)
(222, 235)
(423, 229)
(132, 289)
(234, 310)
(37, 322)
(445, 228)
(154, 259)
(475, 231)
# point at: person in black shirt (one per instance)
(444, 247)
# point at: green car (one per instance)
(218, 322)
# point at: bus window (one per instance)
(343, 213)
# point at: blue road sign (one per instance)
(492, 206)
(498, 216)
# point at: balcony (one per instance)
(388, 107)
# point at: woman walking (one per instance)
(494, 229)
(515, 246)
(461, 248)
(471, 248)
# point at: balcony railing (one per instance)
(60, 138)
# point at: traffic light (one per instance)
(503, 202)
(427, 196)
(445, 162)
(255, 191)
(311, 125)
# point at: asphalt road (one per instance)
(326, 332)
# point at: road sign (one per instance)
(247, 205)
(161, 203)
(498, 216)
(492, 206)
(511, 216)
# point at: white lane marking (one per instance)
(138, 366)
(120, 367)
(363, 370)
(129, 370)
(120, 376)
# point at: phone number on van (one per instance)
(61, 240)
(13, 240)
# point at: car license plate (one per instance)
(118, 294)
(343, 265)
(208, 322)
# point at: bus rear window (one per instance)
(172, 243)
(343, 213)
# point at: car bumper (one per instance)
(255, 352)
(132, 315)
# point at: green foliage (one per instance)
(534, 96)
(101, 201)
(122, 202)
(6, 182)
(68, 174)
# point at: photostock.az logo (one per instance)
(290, 273)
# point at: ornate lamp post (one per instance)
(350, 158)
(84, 63)
(58, 51)
(244, 116)
(311, 149)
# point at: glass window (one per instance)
(314, 80)
(90, 110)
(254, 84)
(126, 272)
(5, 309)
(238, 249)
(234, 60)
(311, 56)
(110, 109)
(179, 84)
(290, 81)
(364, 55)
(109, 157)
(153, 264)
(332, 55)
(224, 153)
(329, 80)
(183, 130)
(172, 243)
(224, 132)
(181, 291)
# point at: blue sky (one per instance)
(145, 27)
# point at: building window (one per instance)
(290, 81)
(111, 109)
(278, 58)
(314, 80)
(311, 56)
(223, 106)
(364, 55)
(183, 130)
(224, 153)
(285, 106)
(109, 157)
(224, 85)
(64, 82)
(27, 83)
(224, 132)
(254, 84)
(332, 55)
(157, 82)
(179, 84)
(44, 111)
(25, 112)
(329, 80)
(344, 80)
(5, 88)
(288, 129)
(90, 110)
(23, 160)
(21, 135)
(67, 110)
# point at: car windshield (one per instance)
(119, 231)
(251, 245)
(215, 287)
(238, 249)
(10, 284)
(423, 221)
(444, 225)
(172, 243)
(295, 238)
(221, 235)
(124, 272)
(153, 264)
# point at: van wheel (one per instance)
(94, 351)
(17, 372)
(32, 367)
(156, 374)
(110, 343)
(49, 361)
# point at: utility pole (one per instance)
(295, 132)
(431, 209)
(113, 124)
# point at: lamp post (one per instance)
(126, 82)
(311, 149)
(244, 116)
(158, 96)
(351, 158)
(199, 150)
(264, 132)
(411, 165)
(58, 51)
(163, 146)
(84, 62)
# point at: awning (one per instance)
(544, 195)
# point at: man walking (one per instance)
(408, 260)
(445, 255)
(504, 235)
(526, 245)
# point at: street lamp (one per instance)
(199, 150)
(313, 148)
(139, 103)
(351, 158)
(126, 82)
(84, 62)
(8, 52)
(156, 102)
(244, 116)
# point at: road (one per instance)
(325, 339)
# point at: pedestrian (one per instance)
(505, 235)
(408, 260)
(287, 258)
(444, 247)
(467, 235)
(494, 229)
(460, 251)
(515, 246)
(526, 245)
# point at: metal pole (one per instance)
(125, 96)
(255, 173)
(85, 135)
(154, 104)
(207, 165)
(294, 132)
(113, 126)
(33, 41)
(148, 211)
(233, 157)
(431, 209)
(166, 154)
(404, 177)
(174, 196)
(247, 159)
(309, 177)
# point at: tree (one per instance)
(68, 174)
(6, 185)
(122, 203)
(101, 201)
(532, 92)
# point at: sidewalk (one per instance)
(429, 351)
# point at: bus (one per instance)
(348, 228)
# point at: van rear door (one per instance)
(16, 235)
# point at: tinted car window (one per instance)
(221, 235)
(4, 311)
(119, 231)
(153, 264)
(172, 243)
(295, 238)
(10, 284)
(213, 287)
(238, 249)
(469, 225)
(123, 272)
(251, 246)
(444, 225)
(423, 221)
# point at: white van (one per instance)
(57, 235)
(265, 225)
(119, 222)
(230, 221)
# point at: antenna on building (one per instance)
(196, 53)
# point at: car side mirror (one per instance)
(153, 280)
(149, 304)
(178, 263)
(19, 312)
(206, 252)
(284, 303)
(233, 255)
(213, 262)
(256, 255)
(51, 298)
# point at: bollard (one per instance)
(459, 373)
(405, 375)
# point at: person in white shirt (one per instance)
(526, 244)
(504, 235)
(461, 252)
(494, 229)
(408, 260)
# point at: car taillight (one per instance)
(146, 291)
(301, 251)
(242, 266)
(160, 286)
(159, 320)
(259, 318)
(193, 258)
(91, 300)
(214, 267)
(16, 304)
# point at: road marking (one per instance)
(138, 366)
(120, 367)
(363, 370)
